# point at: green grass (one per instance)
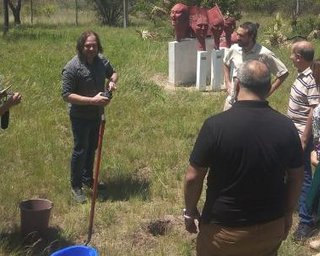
(149, 134)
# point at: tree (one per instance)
(109, 11)
(15, 8)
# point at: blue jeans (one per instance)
(85, 136)
(304, 214)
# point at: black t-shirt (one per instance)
(248, 150)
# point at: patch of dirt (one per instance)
(159, 227)
(148, 232)
(143, 174)
(140, 238)
(162, 81)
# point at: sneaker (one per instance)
(303, 232)
(88, 184)
(78, 195)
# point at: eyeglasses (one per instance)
(88, 46)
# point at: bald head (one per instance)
(255, 76)
(305, 49)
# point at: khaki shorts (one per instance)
(257, 240)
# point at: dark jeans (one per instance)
(304, 214)
(85, 136)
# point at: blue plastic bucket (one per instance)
(76, 250)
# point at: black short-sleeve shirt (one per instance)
(248, 150)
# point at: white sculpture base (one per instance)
(183, 61)
(203, 62)
(217, 74)
(188, 66)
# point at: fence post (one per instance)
(76, 12)
(31, 12)
(125, 13)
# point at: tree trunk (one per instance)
(16, 11)
(297, 7)
(6, 17)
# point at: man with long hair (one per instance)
(84, 80)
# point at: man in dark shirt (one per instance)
(254, 158)
(84, 79)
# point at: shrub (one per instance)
(109, 11)
(305, 25)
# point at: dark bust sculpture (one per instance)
(180, 20)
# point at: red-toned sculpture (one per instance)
(216, 24)
(180, 20)
(202, 23)
(199, 25)
(228, 36)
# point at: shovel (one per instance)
(96, 177)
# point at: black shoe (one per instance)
(78, 195)
(303, 232)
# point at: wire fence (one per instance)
(55, 12)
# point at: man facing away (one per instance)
(253, 158)
(248, 49)
(304, 97)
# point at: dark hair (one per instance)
(252, 29)
(307, 53)
(315, 67)
(82, 39)
(256, 77)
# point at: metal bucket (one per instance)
(35, 215)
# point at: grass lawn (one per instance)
(149, 134)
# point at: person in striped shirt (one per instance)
(304, 97)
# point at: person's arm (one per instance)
(192, 191)
(12, 100)
(77, 99)
(227, 79)
(293, 187)
(307, 130)
(112, 82)
(314, 158)
(69, 78)
(277, 82)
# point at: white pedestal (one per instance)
(217, 75)
(183, 61)
(203, 61)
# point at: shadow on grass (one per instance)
(125, 187)
(33, 244)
